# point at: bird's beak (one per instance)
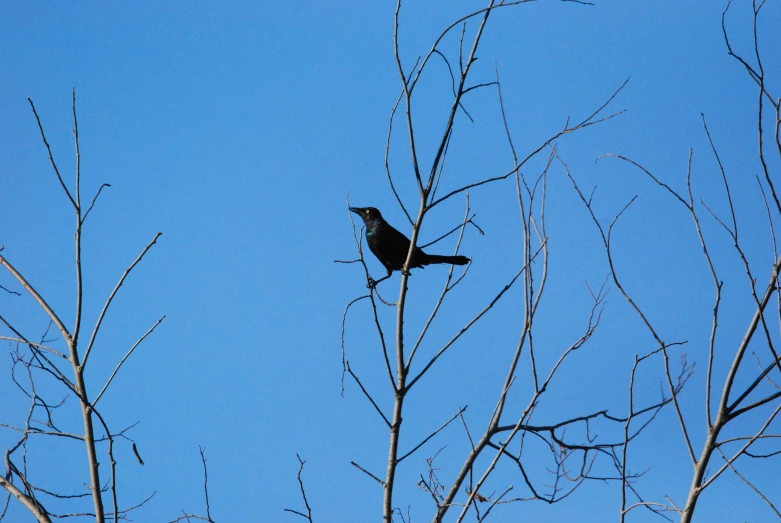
(357, 210)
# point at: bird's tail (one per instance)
(454, 260)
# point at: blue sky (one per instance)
(238, 129)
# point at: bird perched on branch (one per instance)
(391, 247)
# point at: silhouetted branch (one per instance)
(375, 478)
(308, 515)
(368, 396)
(457, 414)
(208, 516)
(84, 218)
(51, 158)
(111, 298)
(125, 357)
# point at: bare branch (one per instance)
(308, 515)
(84, 218)
(125, 357)
(375, 478)
(368, 396)
(111, 297)
(202, 450)
(32, 292)
(51, 158)
(752, 487)
(566, 130)
(10, 291)
(457, 414)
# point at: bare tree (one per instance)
(49, 366)
(571, 443)
(575, 454)
(738, 413)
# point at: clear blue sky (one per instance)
(237, 129)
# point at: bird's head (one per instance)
(367, 214)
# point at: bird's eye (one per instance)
(366, 211)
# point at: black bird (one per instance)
(391, 247)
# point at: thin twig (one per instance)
(308, 515)
(125, 357)
(111, 297)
